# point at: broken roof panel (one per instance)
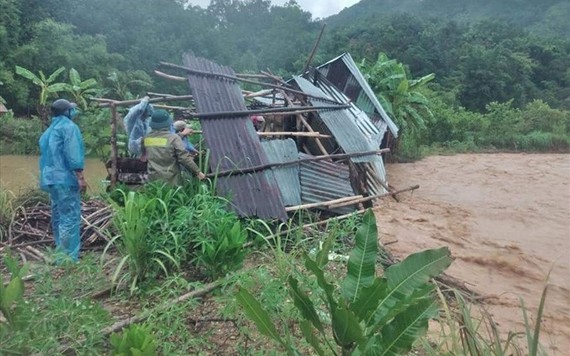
(343, 72)
(233, 142)
(340, 123)
(280, 151)
(324, 181)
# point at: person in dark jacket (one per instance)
(62, 160)
(166, 153)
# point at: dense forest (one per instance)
(492, 72)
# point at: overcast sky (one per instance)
(319, 8)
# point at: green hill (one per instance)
(544, 17)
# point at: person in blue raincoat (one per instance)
(62, 160)
(136, 124)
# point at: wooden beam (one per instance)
(169, 76)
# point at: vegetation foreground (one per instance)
(183, 275)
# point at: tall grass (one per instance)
(7, 209)
(466, 330)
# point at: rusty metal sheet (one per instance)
(233, 142)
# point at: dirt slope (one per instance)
(506, 219)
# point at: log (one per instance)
(287, 110)
(340, 156)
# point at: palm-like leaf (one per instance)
(399, 336)
(28, 75)
(408, 277)
(54, 75)
(362, 261)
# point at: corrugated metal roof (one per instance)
(352, 83)
(340, 123)
(323, 181)
(233, 142)
(280, 151)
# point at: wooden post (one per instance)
(113, 145)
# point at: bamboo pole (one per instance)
(273, 111)
(324, 203)
(231, 77)
(169, 76)
(109, 102)
(294, 133)
(314, 50)
(114, 152)
(378, 196)
(253, 169)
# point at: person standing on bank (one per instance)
(62, 160)
(166, 152)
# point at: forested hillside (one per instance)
(545, 17)
(485, 55)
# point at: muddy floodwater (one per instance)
(19, 173)
(506, 219)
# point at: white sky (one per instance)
(319, 8)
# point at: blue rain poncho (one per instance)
(136, 124)
(62, 152)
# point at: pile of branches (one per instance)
(31, 227)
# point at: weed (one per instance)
(136, 340)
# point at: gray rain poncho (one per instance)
(136, 124)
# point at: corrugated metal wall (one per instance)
(233, 142)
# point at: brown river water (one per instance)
(18, 173)
(505, 217)
(506, 220)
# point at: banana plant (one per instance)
(12, 294)
(80, 90)
(368, 314)
(48, 88)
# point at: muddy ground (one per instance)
(506, 219)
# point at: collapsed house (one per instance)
(319, 146)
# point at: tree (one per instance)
(80, 90)
(48, 88)
(401, 97)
